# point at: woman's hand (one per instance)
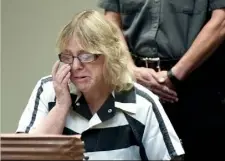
(61, 76)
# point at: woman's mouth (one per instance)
(80, 78)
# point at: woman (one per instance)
(116, 118)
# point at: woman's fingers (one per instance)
(63, 73)
(66, 79)
(58, 72)
(55, 69)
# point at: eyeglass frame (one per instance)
(96, 56)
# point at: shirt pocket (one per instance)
(130, 6)
(188, 6)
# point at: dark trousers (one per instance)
(199, 116)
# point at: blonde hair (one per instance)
(97, 35)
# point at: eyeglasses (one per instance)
(83, 58)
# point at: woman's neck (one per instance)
(96, 97)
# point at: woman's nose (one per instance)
(76, 64)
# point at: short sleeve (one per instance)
(216, 4)
(36, 108)
(160, 139)
(109, 5)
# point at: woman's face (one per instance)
(86, 68)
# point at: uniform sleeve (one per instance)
(109, 5)
(35, 110)
(216, 4)
(159, 139)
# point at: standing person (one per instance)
(177, 48)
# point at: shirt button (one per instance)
(78, 104)
(86, 158)
(109, 110)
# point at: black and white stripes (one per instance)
(107, 134)
(36, 104)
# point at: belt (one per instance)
(154, 63)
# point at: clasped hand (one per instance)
(157, 82)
